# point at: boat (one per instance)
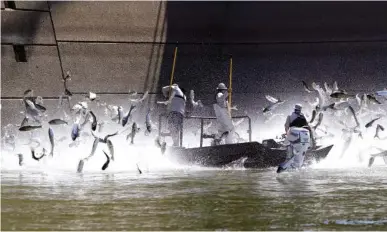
(254, 154)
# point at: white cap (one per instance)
(222, 86)
(298, 107)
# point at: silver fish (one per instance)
(371, 98)
(314, 113)
(24, 122)
(274, 103)
(127, 116)
(57, 121)
(106, 164)
(29, 128)
(138, 169)
(20, 156)
(110, 147)
(378, 129)
(80, 166)
(105, 139)
(94, 123)
(51, 136)
(330, 106)
(192, 100)
(119, 114)
(161, 145)
(133, 133)
(307, 89)
(369, 124)
(354, 115)
(144, 96)
(27, 92)
(320, 118)
(34, 155)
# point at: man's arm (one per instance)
(220, 98)
(287, 124)
(171, 96)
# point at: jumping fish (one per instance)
(372, 99)
(330, 106)
(20, 156)
(24, 122)
(307, 89)
(369, 124)
(94, 123)
(57, 122)
(144, 96)
(34, 155)
(378, 129)
(320, 118)
(51, 136)
(105, 139)
(119, 114)
(29, 128)
(354, 115)
(127, 116)
(138, 169)
(328, 90)
(192, 100)
(67, 78)
(314, 112)
(91, 96)
(28, 91)
(341, 94)
(161, 145)
(110, 147)
(80, 166)
(133, 133)
(274, 102)
(106, 164)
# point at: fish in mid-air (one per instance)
(106, 164)
(378, 129)
(133, 133)
(369, 124)
(51, 137)
(57, 121)
(29, 128)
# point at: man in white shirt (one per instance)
(225, 126)
(176, 110)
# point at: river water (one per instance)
(188, 198)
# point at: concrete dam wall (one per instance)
(111, 47)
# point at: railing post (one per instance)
(249, 129)
(201, 132)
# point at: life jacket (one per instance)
(298, 121)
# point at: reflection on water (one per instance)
(195, 199)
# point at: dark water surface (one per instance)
(314, 199)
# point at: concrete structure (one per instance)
(112, 47)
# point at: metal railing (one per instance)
(201, 126)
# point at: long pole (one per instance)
(173, 70)
(230, 88)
